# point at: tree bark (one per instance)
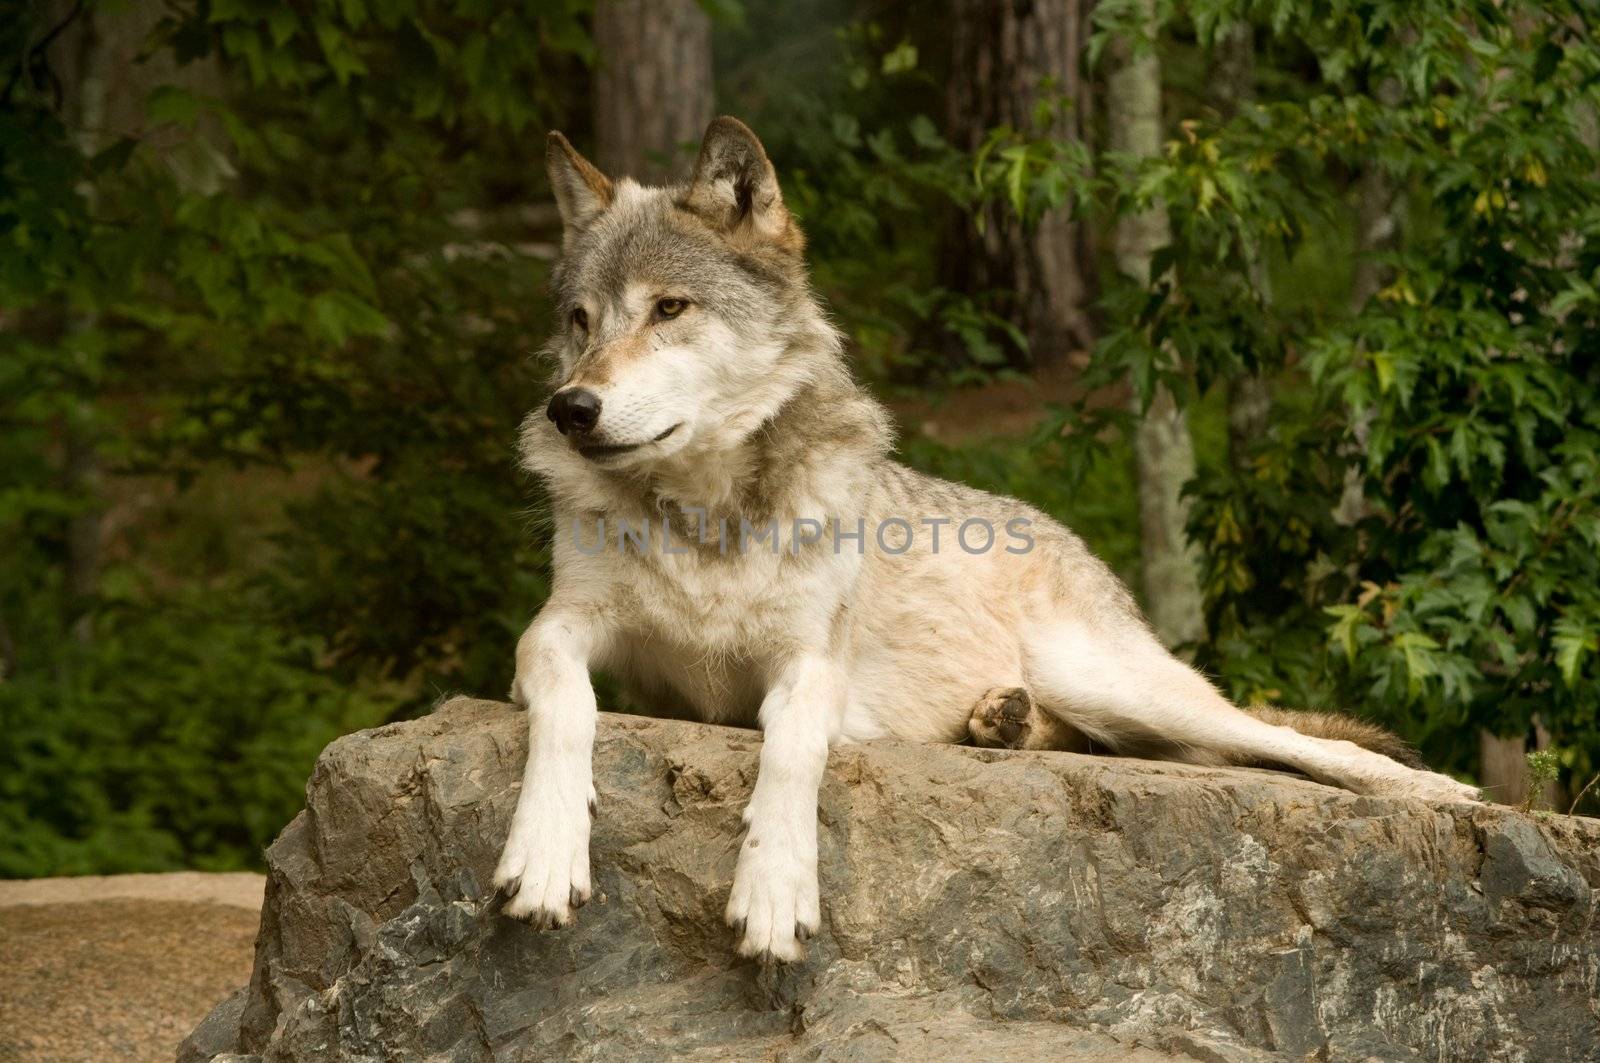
(1375, 230)
(98, 59)
(1007, 56)
(87, 64)
(1503, 769)
(1233, 86)
(653, 87)
(1163, 449)
(1377, 227)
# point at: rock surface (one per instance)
(976, 904)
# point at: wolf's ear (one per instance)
(581, 191)
(735, 189)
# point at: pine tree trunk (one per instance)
(653, 87)
(1233, 87)
(1163, 449)
(1006, 57)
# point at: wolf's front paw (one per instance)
(544, 869)
(774, 906)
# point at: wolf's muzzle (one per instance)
(574, 410)
(608, 450)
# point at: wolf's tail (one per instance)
(1345, 728)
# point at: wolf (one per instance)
(775, 567)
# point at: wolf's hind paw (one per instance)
(1002, 719)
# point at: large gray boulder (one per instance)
(976, 905)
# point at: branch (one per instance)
(33, 58)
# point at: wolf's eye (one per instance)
(580, 318)
(668, 309)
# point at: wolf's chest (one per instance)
(723, 604)
(736, 603)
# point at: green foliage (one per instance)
(1544, 767)
(845, 118)
(1470, 585)
(181, 737)
(275, 271)
(424, 574)
(1416, 534)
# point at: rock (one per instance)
(218, 1033)
(976, 904)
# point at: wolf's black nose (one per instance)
(574, 410)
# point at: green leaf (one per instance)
(1572, 642)
(170, 103)
(337, 315)
(1383, 365)
(1343, 633)
(902, 59)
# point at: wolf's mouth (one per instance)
(607, 450)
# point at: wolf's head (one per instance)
(686, 318)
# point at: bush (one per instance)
(181, 736)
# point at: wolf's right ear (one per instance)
(581, 190)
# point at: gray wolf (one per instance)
(790, 575)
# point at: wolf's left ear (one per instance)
(735, 189)
(581, 190)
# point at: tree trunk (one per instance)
(1376, 228)
(87, 64)
(1233, 86)
(1006, 57)
(98, 59)
(1163, 449)
(1503, 769)
(653, 88)
(1249, 403)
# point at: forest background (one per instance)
(1289, 307)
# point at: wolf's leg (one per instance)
(1008, 718)
(1121, 687)
(774, 904)
(544, 868)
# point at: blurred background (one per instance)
(1289, 307)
